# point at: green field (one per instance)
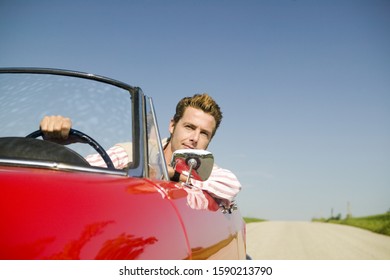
(377, 223)
(252, 220)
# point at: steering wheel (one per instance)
(84, 138)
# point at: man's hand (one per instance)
(171, 174)
(55, 128)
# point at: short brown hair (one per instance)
(203, 102)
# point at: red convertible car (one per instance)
(54, 205)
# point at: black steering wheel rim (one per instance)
(84, 139)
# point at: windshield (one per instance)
(100, 110)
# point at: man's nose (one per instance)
(195, 136)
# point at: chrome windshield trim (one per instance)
(159, 142)
(64, 72)
(59, 166)
(140, 164)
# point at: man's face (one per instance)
(193, 131)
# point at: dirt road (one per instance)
(314, 241)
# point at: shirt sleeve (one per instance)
(117, 154)
(222, 184)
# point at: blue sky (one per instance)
(304, 85)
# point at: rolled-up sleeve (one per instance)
(222, 184)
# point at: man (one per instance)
(194, 124)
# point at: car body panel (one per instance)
(50, 214)
(54, 214)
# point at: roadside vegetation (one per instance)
(252, 220)
(376, 223)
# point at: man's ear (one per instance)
(171, 126)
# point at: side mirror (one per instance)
(198, 163)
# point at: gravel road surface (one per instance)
(314, 241)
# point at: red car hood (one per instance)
(49, 214)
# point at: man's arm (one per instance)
(117, 154)
(56, 129)
(222, 184)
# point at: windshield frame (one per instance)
(139, 166)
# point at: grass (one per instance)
(376, 223)
(252, 220)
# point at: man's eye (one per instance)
(204, 133)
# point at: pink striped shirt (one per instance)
(222, 183)
(117, 154)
